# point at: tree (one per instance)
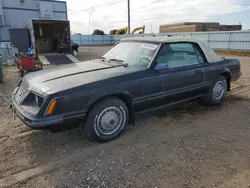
(98, 32)
(122, 32)
(112, 32)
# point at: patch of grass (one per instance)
(8, 67)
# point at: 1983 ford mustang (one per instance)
(136, 75)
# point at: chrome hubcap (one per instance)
(109, 121)
(219, 90)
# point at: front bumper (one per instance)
(39, 123)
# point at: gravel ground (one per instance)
(86, 52)
(194, 145)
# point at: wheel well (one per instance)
(123, 97)
(228, 77)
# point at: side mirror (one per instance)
(161, 66)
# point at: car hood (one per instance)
(63, 77)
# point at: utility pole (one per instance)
(128, 16)
(89, 38)
(89, 33)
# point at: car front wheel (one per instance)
(217, 91)
(106, 120)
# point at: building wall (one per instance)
(182, 28)
(200, 27)
(165, 26)
(1, 71)
(223, 27)
(17, 14)
(192, 23)
(4, 34)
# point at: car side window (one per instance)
(200, 57)
(177, 55)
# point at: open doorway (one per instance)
(52, 36)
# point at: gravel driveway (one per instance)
(192, 146)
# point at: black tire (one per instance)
(210, 97)
(94, 123)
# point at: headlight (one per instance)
(38, 100)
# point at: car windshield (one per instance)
(132, 53)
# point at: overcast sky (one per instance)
(112, 14)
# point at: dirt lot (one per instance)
(192, 146)
(86, 53)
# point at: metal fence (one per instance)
(85, 40)
(218, 40)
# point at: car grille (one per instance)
(21, 94)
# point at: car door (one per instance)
(182, 72)
(154, 89)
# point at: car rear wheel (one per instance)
(106, 120)
(217, 91)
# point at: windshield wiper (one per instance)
(119, 61)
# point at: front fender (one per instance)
(82, 101)
(123, 95)
(120, 93)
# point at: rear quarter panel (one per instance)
(234, 67)
(214, 70)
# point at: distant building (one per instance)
(16, 13)
(197, 27)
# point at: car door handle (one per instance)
(199, 71)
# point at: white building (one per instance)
(16, 13)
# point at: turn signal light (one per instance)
(51, 107)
